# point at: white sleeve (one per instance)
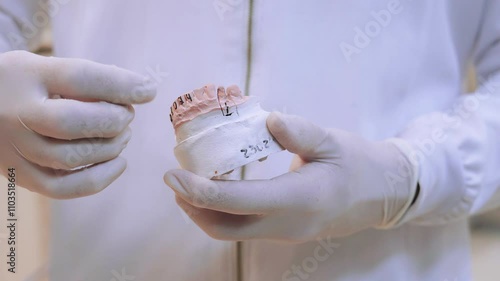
(457, 152)
(22, 23)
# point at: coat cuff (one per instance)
(449, 159)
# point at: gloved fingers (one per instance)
(224, 226)
(69, 119)
(89, 81)
(300, 136)
(290, 191)
(297, 163)
(59, 184)
(67, 155)
(208, 194)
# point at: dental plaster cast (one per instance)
(219, 130)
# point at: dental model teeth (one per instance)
(218, 131)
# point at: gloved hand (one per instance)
(63, 122)
(339, 184)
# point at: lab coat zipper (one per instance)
(239, 261)
(239, 244)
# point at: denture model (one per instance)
(219, 130)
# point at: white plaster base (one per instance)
(214, 144)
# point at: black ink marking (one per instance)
(254, 149)
(245, 153)
(227, 110)
(266, 143)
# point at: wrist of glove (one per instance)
(338, 184)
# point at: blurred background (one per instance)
(33, 228)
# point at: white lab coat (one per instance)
(342, 64)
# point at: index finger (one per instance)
(90, 81)
(245, 197)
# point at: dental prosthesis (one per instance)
(220, 130)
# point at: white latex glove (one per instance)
(339, 184)
(59, 115)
